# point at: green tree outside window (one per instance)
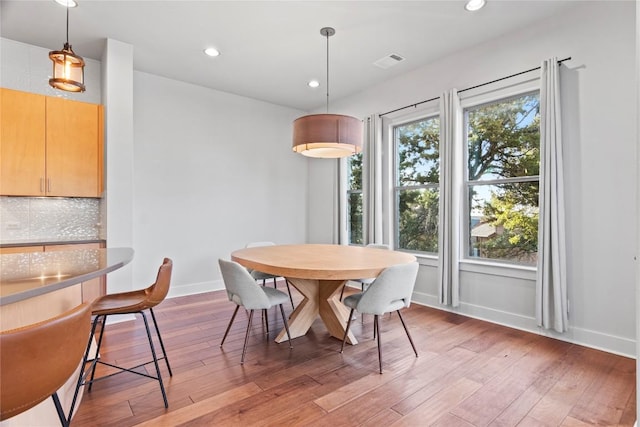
(503, 163)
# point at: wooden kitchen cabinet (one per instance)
(21, 249)
(50, 146)
(22, 143)
(91, 289)
(74, 148)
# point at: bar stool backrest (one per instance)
(36, 360)
(157, 292)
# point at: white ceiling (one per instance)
(270, 49)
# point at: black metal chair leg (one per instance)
(362, 315)
(246, 337)
(155, 359)
(164, 352)
(286, 325)
(376, 326)
(408, 335)
(346, 331)
(290, 297)
(266, 320)
(229, 326)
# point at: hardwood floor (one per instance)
(469, 373)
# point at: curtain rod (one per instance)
(560, 61)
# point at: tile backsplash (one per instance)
(49, 218)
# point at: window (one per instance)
(417, 177)
(354, 199)
(502, 142)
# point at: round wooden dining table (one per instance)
(318, 272)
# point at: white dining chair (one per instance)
(390, 291)
(366, 281)
(259, 275)
(243, 290)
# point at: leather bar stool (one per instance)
(131, 303)
(37, 360)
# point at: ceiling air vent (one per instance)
(388, 61)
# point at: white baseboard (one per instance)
(118, 318)
(195, 288)
(588, 338)
(175, 291)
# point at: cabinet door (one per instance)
(74, 148)
(22, 143)
(21, 249)
(91, 289)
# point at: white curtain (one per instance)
(551, 280)
(372, 180)
(450, 198)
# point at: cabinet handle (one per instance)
(41, 185)
(48, 185)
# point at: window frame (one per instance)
(348, 193)
(424, 113)
(488, 95)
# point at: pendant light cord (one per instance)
(327, 72)
(67, 25)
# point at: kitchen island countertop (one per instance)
(30, 274)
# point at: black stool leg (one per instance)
(93, 370)
(164, 352)
(155, 359)
(56, 402)
(82, 367)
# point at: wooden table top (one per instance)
(320, 262)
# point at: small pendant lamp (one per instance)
(327, 135)
(68, 68)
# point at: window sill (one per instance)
(498, 269)
(484, 267)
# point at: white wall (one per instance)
(117, 89)
(212, 172)
(600, 151)
(637, 82)
(28, 68)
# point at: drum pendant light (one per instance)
(327, 135)
(68, 68)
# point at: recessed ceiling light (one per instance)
(67, 3)
(473, 5)
(212, 51)
(313, 83)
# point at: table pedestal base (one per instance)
(321, 297)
